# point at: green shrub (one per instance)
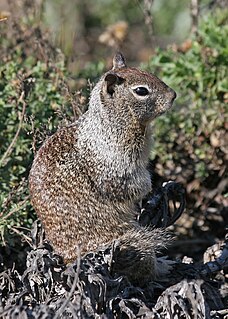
(190, 139)
(31, 81)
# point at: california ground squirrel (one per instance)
(86, 179)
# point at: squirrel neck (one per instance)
(115, 151)
(115, 129)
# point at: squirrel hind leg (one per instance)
(135, 255)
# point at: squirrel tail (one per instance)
(135, 253)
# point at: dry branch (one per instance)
(9, 150)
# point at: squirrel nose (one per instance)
(172, 94)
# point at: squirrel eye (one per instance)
(141, 90)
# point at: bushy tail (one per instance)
(135, 253)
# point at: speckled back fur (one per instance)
(87, 177)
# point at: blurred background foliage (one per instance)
(88, 24)
(53, 51)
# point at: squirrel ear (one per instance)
(119, 61)
(112, 79)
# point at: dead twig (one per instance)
(148, 18)
(72, 290)
(21, 234)
(11, 146)
(19, 206)
(194, 15)
(16, 192)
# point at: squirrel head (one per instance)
(134, 90)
